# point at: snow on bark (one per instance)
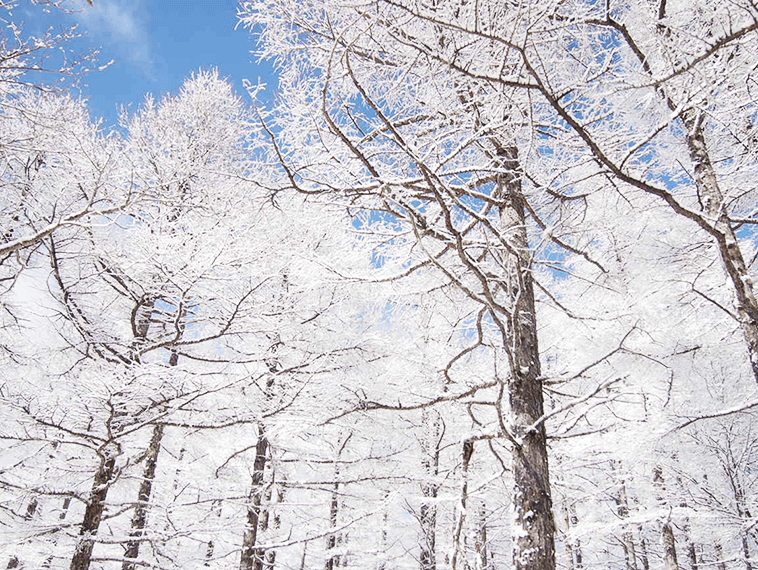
(731, 255)
(139, 519)
(93, 514)
(252, 557)
(534, 528)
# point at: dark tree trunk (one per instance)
(667, 532)
(481, 542)
(669, 547)
(139, 520)
(746, 553)
(459, 550)
(93, 514)
(744, 513)
(252, 558)
(383, 545)
(265, 522)
(534, 528)
(210, 547)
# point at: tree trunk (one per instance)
(692, 554)
(667, 532)
(94, 512)
(428, 520)
(482, 558)
(746, 552)
(691, 548)
(210, 547)
(459, 546)
(731, 255)
(643, 551)
(139, 519)
(744, 513)
(630, 553)
(534, 528)
(720, 564)
(333, 560)
(383, 545)
(669, 547)
(713, 206)
(627, 538)
(430, 460)
(573, 549)
(265, 520)
(252, 558)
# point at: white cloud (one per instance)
(121, 26)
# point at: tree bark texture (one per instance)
(459, 546)
(714, 207)
(667, 532)
(534, 527)
(482, 556)
(669, 547)
(139, 519)
(93, 514)
(333, 560)
(627, 538)
(573, 547)
(251, 557)
(430, 460)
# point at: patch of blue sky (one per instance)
(152, 46)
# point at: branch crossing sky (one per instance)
(154, 46)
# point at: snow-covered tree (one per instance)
(488, 141)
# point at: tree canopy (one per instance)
(475, 292)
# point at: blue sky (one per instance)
(155, 45)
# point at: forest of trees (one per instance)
(474, 293)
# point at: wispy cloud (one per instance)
(123, 27)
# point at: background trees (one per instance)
(351, 330)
